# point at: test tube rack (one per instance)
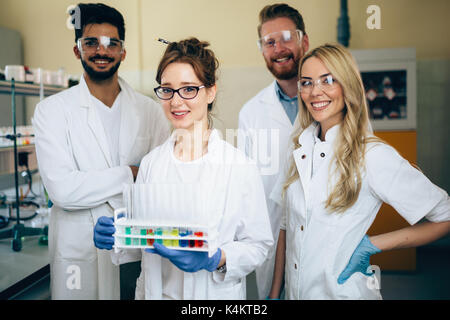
(140, 234)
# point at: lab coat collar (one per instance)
(303, 155)
(85, 94)
(214, 137)
(128, 122)
(275, 110)
(330, 136)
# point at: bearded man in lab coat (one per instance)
(266, 120)
(90, 140)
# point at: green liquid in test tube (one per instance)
(175, 233)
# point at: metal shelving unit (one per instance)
(28, 89)
(11, 87)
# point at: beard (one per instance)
(285, 74)
(100, 75)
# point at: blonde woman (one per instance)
(336, 178)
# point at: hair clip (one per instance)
(162, 40)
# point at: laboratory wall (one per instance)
(230, 27)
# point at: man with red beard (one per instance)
(266, 120)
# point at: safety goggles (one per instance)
(325, 83)
(92, 44)
(285, 37)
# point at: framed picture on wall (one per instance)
(389, 77)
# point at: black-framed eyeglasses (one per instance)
(187, 92)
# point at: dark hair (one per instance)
(96, 13)
(280, 10)
(195, 53)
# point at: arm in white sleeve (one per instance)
(395, 181)
(253, 237)
(68, 187)
(441, 212)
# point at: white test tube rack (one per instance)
(141, 234)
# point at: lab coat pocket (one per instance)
(359, 287)
(74, 238)
(227, 290)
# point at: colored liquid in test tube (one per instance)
(150, 233)
(198, 243)
(143, 240)
(183, 233)
(175, 233)
(127, 230)
(159, 232)
(167, 242)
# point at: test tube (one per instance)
(183, 233)
(198, 243)
(127, 230)
(175, 233)
(150, 233)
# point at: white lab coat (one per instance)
(234, 196)
(319, 244)
(268, 130)
(75, 164)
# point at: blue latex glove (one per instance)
(103, 233)
(188, 261)
(360, 260)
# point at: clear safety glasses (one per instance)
(188, 92)
(92, 44)
(325, 83)
(269, 41)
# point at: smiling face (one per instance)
(325, 106)
(184, 113)
(100, 64)
(283, 59)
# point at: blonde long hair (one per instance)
(354, 132)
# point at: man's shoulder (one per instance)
(256, 100)
(65, 98)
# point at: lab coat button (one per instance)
(304, 156)
(322, 154)
(301, 228)
(295, 266)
